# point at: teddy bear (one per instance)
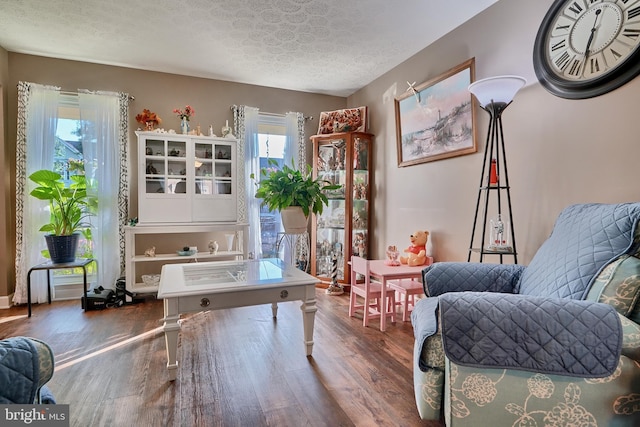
(417, 252)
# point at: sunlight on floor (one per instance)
(12, 318)
(152, 332)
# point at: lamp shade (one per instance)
(499, 89)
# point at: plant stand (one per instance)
(298, 245)
(48, 266)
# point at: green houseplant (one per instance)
(69, 208)
(286, 189)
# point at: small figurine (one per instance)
(392, 256)
(334, 288)
(213, 247)
(301, 262)
(150, 252)
(211, 131)
(362, 251)
(499, 236)
(226, 130)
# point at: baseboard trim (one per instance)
(5, 302)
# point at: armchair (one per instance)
(26, 365)
(554, 343)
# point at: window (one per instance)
(271, 140)
(40, 146)
(68, 161)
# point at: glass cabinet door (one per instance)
(342, 229)
(223, 170)
(213, 168)
(165, 162)
(360, 201)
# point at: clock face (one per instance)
(585, 48)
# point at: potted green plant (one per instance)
(69, 207)
(294, 193)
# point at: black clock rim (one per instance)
(622, 74)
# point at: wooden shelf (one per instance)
(199, 256)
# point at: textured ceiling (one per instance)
(322, 46)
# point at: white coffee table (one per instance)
(195, 287)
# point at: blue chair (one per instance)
(553, 343)
(26, 365)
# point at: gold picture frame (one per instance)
(437, 119)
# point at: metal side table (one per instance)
(48, 266)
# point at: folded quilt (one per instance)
(546, 335)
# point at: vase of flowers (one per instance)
(286, 189)
(149, 119)
(184, 115)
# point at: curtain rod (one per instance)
(75, 93)
(273, 114)
(68, 92)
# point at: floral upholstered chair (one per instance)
(556, 343)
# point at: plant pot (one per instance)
(293, 220)
(62, 249)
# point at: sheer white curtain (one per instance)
(295, 148)
(246, 124)
(105, 153)
(100, 115)
(37, 123)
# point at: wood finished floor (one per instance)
(238, 367)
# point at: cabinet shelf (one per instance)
(192, 231)
(490, 252)
(203, 256)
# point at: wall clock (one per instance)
(585, 48)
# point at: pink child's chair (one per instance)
(406, 290)
(371, 292)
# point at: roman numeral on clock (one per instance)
(632, 13)
(595, 66)
(632, 33)
(574, 70)
(615, 54)
(562, 61)
(575, 8)
(561, 44)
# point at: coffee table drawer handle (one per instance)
(204, 302)
(284, 294)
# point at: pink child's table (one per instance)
(383, 273)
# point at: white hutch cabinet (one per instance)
(187, 196)
(184, 178)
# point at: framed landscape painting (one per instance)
(436, 120)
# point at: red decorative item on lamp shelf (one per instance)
(493, 173)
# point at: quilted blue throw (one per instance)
(19, 371)
(538, 334)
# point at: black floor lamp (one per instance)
(495, 94)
